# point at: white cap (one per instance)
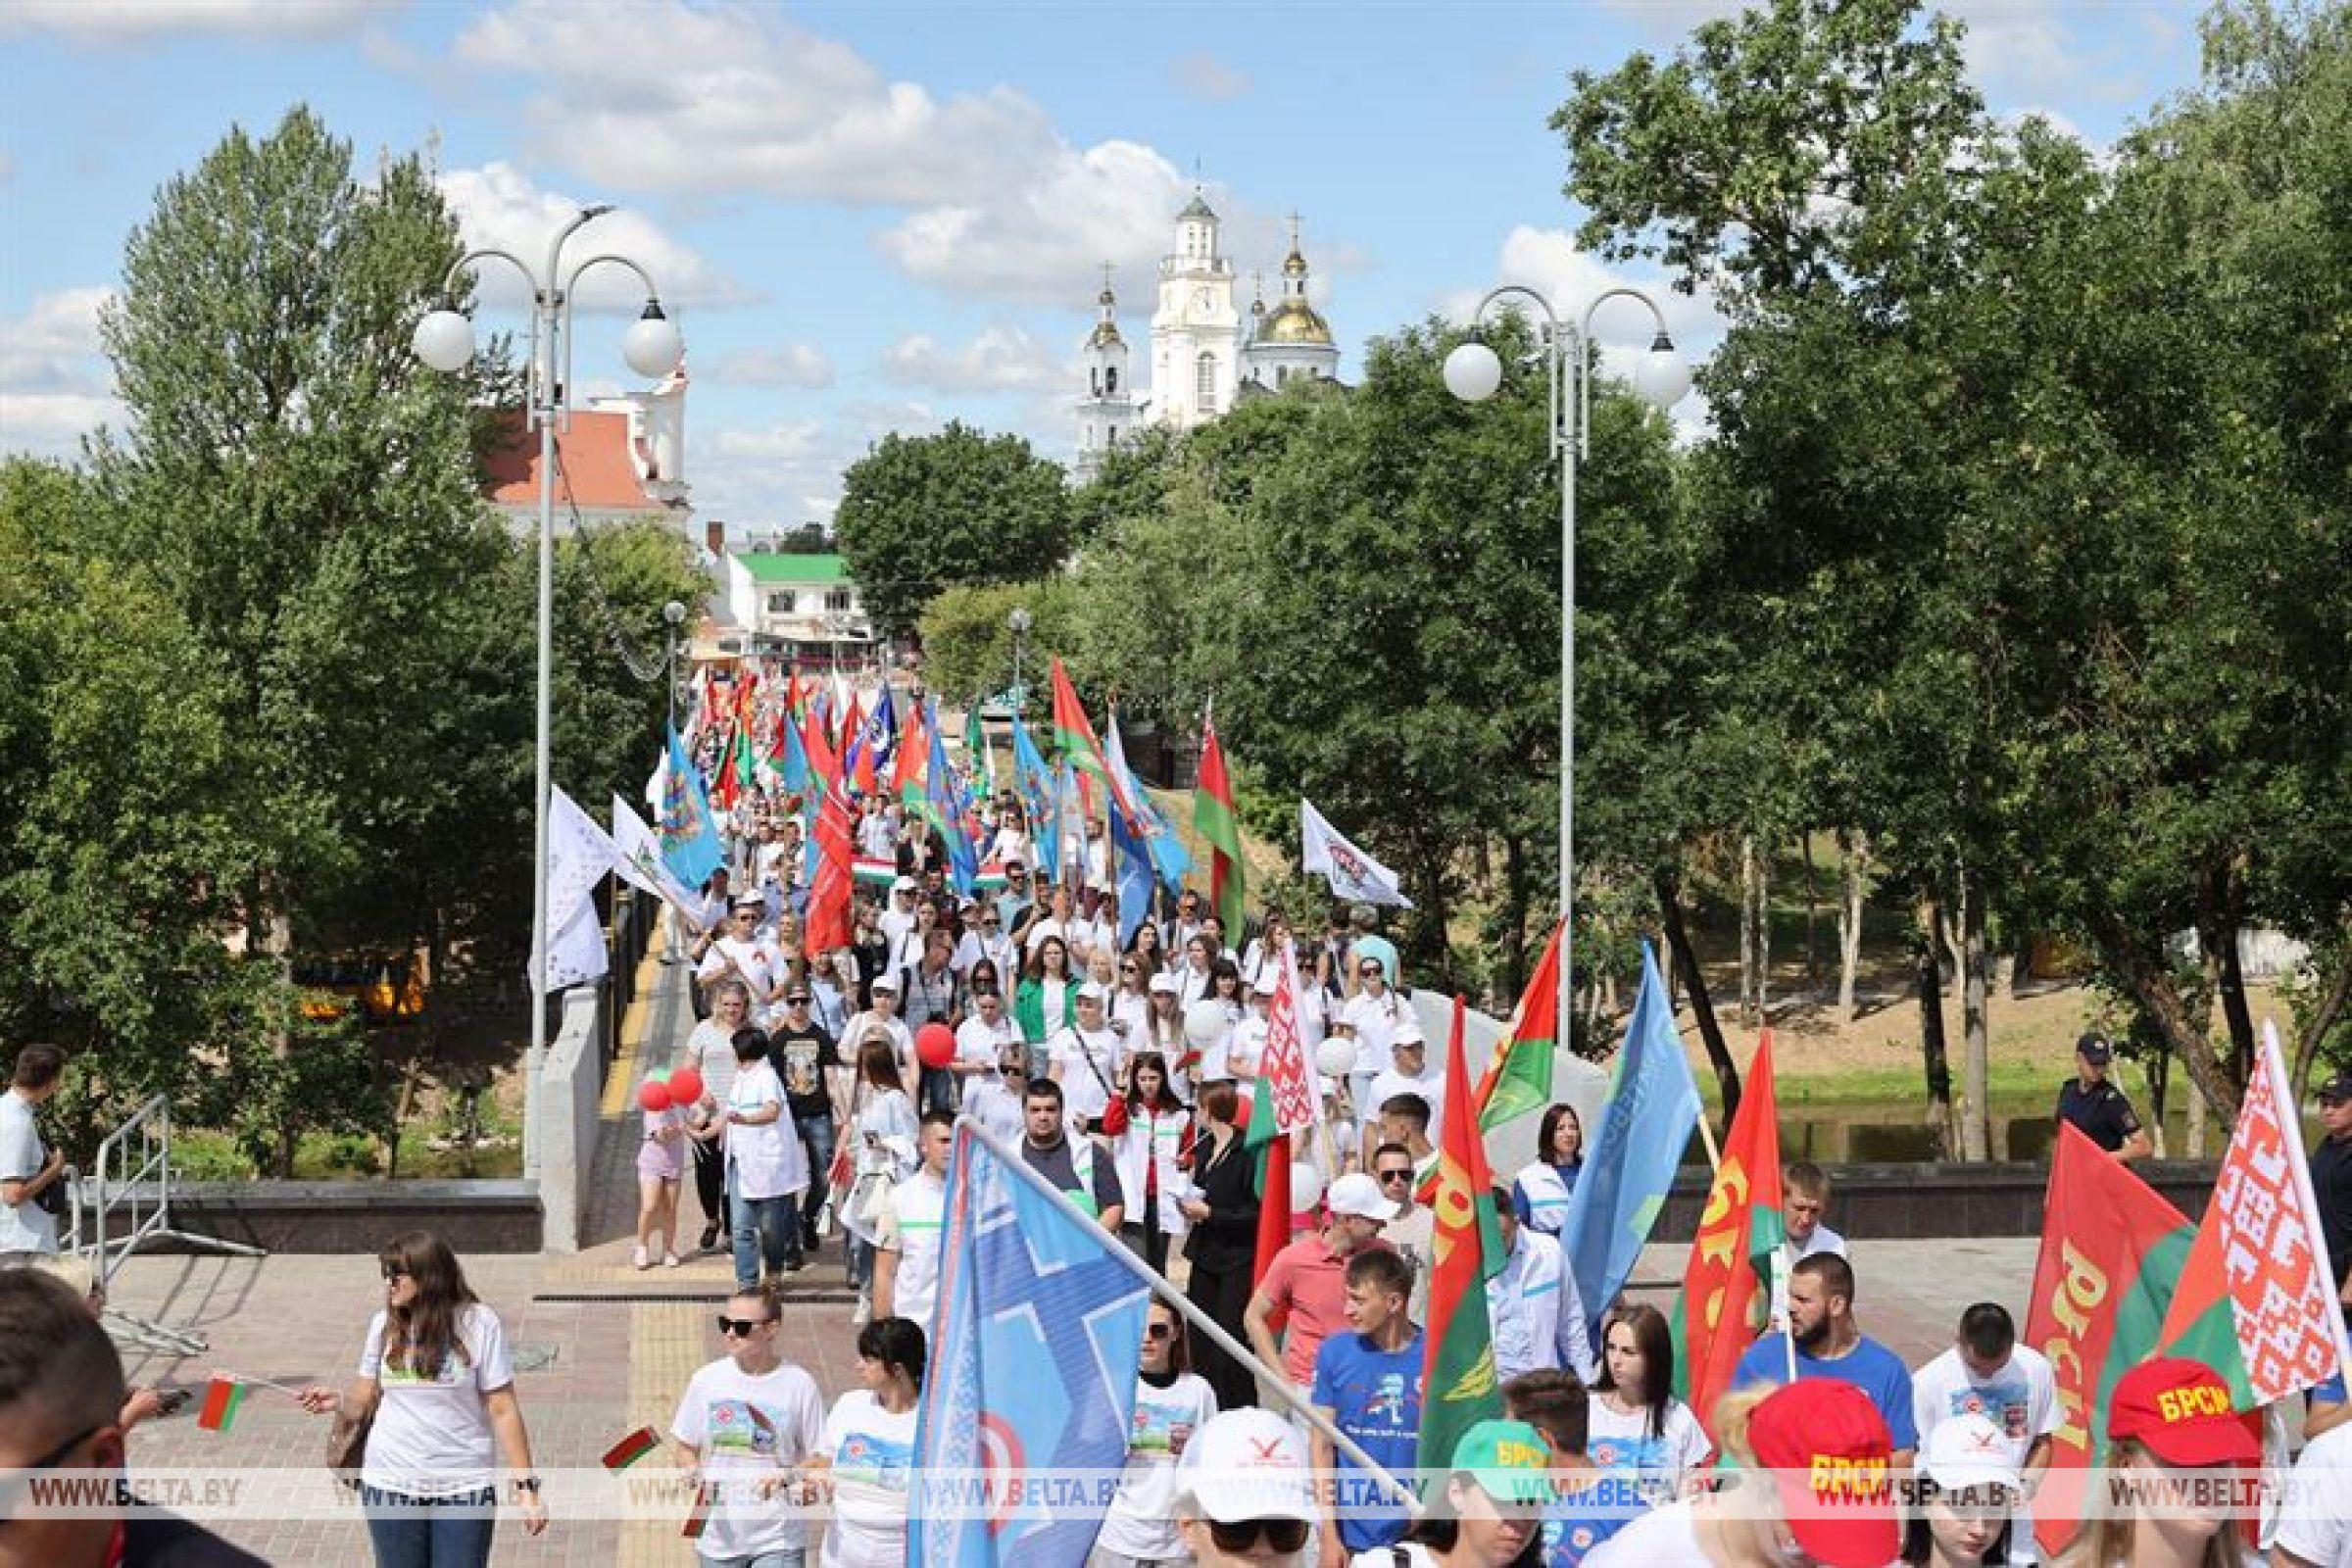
(1093, 992)
(1247, 1464)
(905, 884)
(1969, 1450)
(1358, 1194)
(885, 981)
(1164, 983)
(1266, 985)
(1408, 1033)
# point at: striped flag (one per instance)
(223, 1397)
(1213, 818)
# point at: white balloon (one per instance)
(1204, 1022)
(1335, 1057)
(1306, 1186)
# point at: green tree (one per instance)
(967, 638)
(923, 514)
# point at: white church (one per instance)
(1205, 357)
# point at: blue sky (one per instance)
(879, 217)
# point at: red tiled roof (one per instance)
(593, 454)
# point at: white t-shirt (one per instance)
(25, 1227)
(994, 1106)
(765, 1160)
(1823, 1239)
(1088, 1065)
(746, 1428)
(1624, 1443)
(431, 1437)
(2319, 1528)
(1141, 1521)
(981, 1042)
(910, 1229)
(1667, 1538)
(873, 1461)
(1375, 1019)
(757, 963)
(2021, 1398)
(1050, 927)
(1430, 1089)
(711, 1049)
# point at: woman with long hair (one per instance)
(710, 1052)
(883, 1132)
(1131, 998)
(865, 1460)
(1146, 945)
(1151, 1135)
(1223, 1244)
(1966, 1492)
(1172, 1402)
(437, 1381)
(1047, 1002)
(1540, 1195)
(1637, 1426)
(2170, 1427)
(1490, 1514)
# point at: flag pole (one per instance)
(1183, 1307)
(1706, 1133)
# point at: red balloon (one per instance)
(654, 1094)
(935, 1045)
(685, 1087)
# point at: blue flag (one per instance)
(1037, 799)
(792, 763)
(1135, 873)
(881, 734)
(1651, 1110)
(690, 842)
(1168, 857)
(1032, 1381)
(950, 809)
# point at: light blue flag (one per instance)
(792, 766)
(1069, 828)
(951, 809)
(1036, 800)
(1651, 1110)
(1168, 857)
(1135, 873)
(1023, 1430)
(690, 842)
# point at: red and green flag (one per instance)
(1281, 1102)
(1075, 738)
(1519, 1078)
(1730, 1257)
(1458, 1387)
(631, 1448)
(223, 1397)
(1214, 820)
(909, 761)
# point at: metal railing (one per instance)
(130, 1207)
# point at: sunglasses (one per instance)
(1284, 1536)
(393, 1271)
(1370, 971)
(796, 1001)
(729, 1326)
(1387, 1176)
(1159, 1331)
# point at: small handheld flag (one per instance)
(223, 1396)
(631, 1448)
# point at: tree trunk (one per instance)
(1514, 922)
(2231, 983)
(277, 941)
(2194, 1137)
(1804, 841)
(1936, 1058)
(1702, 1009)
(2335, 996)
(2149, 983)
(2159, 1064)
(1852, 850)
(1755, 933)
(1975, 1023)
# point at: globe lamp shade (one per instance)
(1663, 376)
(1473, 372)
(444, 340)
(654, 345)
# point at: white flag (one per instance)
(640, 864)
(1352, 874)
(579, 854)
(576, 954)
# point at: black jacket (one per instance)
(1228, 1238)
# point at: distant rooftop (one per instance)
(594, 455)
(773, 567)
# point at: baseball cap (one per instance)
(1247, 1464)
(1164, 982)
(1969, 1450)
(2096, 1049)
(750, 901)
(885, 981)
(2337, 1087)
(1358, 1194)
(1092, 991)
(1508, 1459)
(1828, 1448)
(2179, 1409)
(905, 884)
(1408, 1033)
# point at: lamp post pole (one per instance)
(673, 616)
(1021, 622)
(1473, 374)
(444, 340)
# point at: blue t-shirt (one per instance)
(1377, 1396)
(1869, 1366)
(1577, 1521)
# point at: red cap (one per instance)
(2181, 1410)
(1827, 1449)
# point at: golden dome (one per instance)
(1294, 321)
(1294, 265)
(1105, 335)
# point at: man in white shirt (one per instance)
(1086, 1059)
(898, 917)
(1805, 1190)
(1527, 1302)
(906, 1262)
(1409, 1074)
(1414, 1232)
(1057, 921)
(984, 938)
(1987, 1373)
(28, 1170)
(1248, 1044)
(877, 834)
(1375, 1011)
(1096, 928)
(1175, 933)
(739, 951)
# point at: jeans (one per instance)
(767, 1236)
(861, 1263)
(936, 1089)
(758, 1560)
(817, 1139)
(429, 1531)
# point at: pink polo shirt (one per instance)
(1310, 1282)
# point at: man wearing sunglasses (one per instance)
(746, 1418)
(1244, 1495)
(60, 1388)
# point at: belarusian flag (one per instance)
(631, 1448)
(2112, 1251)
(1519, 1078)
(222, 1397)
(1074, 738)
(909, 763)
(1730, 1257)
(2256, 1299)
(1213, 820)
(1458, 1386)
(1281, 1102)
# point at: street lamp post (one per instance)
(1472, 374)
(444, 340)
(1020, 624)
(674, 615)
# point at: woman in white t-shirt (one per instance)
(436, 1377)
(710, 1052)
(1636, 1426)
(1171, 1402)
(865, 1457)
(882, 1153)
(744, 1421)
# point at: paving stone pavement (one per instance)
(618, 1344)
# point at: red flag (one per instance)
(1074, 736)
(907, 766)
(1274, 1200)
(1519, 1077)
(1213, 818)
(1730, 1257)
(830, 921)
(1457, 1369)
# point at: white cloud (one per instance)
(1203, 75)
(112, 19)
(499, 205)
(683, 100)
(777, 475)
(797, 365)
(54, 345)
(1002, 359)
(51, 424)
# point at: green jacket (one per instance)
(1029, 1008)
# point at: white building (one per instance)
(618, 459)
(1203, 357)
(796, 607)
